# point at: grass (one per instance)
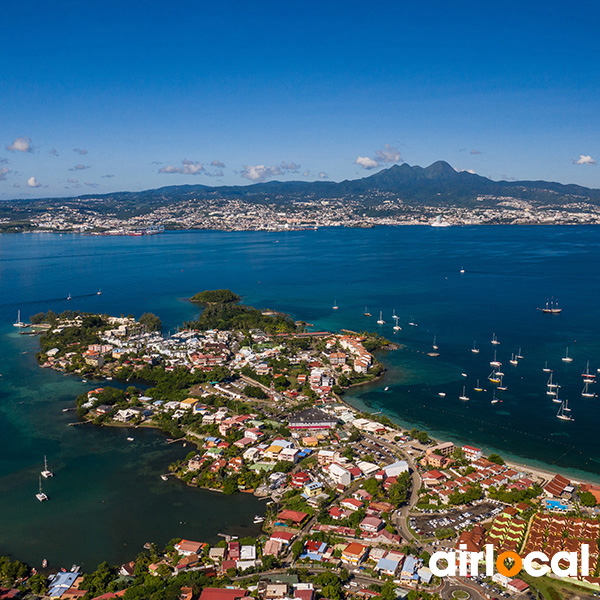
(554, 589)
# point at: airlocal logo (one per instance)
(535, 564)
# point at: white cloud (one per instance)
(3, 173)
(323, 175)
(366, 163)
(306, 173)
(389, 154)
(260, 172)
(585, 160)
(189, 168)
(79, 151)
(217, 163)
(292, 167)
(33, 182)
(79, 167)
(21, 144)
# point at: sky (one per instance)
(110, 96)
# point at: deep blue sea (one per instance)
(107, 498)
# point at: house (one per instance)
(127, 569)
(396, 468)
(355, 553)
(351, 504)
(387, 566)
(272, 547)
(517, 586)
(312, 418)
(371, 524)
(294, 516)
(433, 478)
(187, 547)
(340, 475)
(556, 486)
(222, 594)
(283, 537)
(472, 453)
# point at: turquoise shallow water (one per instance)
(107, 498)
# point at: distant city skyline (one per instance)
(104, 96)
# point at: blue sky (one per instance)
(106, 96)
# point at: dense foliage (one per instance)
(151, 322)
(215, 296)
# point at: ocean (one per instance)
(107, 498)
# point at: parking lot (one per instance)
(426, 524)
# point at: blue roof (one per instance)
(410, 564)
(387, 564)
(61, 583)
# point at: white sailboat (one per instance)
(396, 327)
(462, 270)
(518, 355)
(46, 472)
(495, 339)
(40, 495)
(550, 383)
(586, 392)
(69, 296)
(495, 362)
(557, 399)
(564, 408)
(99, 293)
(566, 358)
(546, 368)
(513, 360)
(475, 349)
(380, 320)
(494, 399)
(335, 306)
(501, 386)
(434, 345)
(18, 322)
(412, 322)
(464, 396)
(587, 376)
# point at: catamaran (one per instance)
(380, 321)
(566, 358)
(475, 349)
(40, 495)
(46, 472)
(495, 339)
(464, 394)
(18, 322)
(564, 408)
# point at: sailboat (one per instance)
(557, 399)
(494, 399)
(495, 362)
(501, 386)
(434, 351)
(493, 377)
(46, 472)
(366, 313)
(475, 349)
(412, 322)
(518, 355)
(434, 346)
(513, 360)
(462, 270)
(335, 306)
(396, 327)
(551, 308)
(550, 383)
(69, 296)
(478, 388)
(464, 394)
(18, 322)
(587, 375)
(99, 293)
(586, 392)
(40, 495)
(380, 321)
(495, 339)
(566, 358)
(546, 369)
(564, 407)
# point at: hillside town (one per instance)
(354, 505)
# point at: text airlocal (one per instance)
(535, 564)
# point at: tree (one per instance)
(151, 321)
(388, 591)
(587, 499)
(496, 458)
(297, 548)
(230, 486)
(253, 391)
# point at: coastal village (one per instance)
(354, 505)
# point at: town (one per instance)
(354, 504)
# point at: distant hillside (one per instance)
(438, 185)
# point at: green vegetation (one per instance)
(215, 297)
(496, 458)
(514, 496)
(474, 492)
(151, 322)
(237, 316)
(587, 499)
(254, 391)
